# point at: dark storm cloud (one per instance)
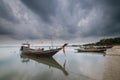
(61, 19)
(113, 25)
(6, 15)
(44, 8)
(109, 24)
(5, 11)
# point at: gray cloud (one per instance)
(108, 19)
(5, 11)
(44, 8)
(60, 19)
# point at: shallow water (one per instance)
(73, 66)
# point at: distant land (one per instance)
(110, 41)
(102, 42)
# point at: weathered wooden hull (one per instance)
(48, 53)
(97, 50)
(40, 52)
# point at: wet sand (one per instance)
(112, 64)
(114, 51)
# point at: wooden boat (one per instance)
(50, 61)
(91, 49)
(25, 48)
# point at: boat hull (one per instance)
(40, 52)
(48, 53)
(97, 50)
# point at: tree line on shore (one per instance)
(109, 41)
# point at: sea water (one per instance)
(69, 66)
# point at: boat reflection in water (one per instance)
(50, 61)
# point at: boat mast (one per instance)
(51, 43)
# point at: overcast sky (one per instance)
(59, 19)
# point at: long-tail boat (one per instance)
(25, 48)
(50, 61)
(91, 49)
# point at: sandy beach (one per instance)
(112, 63)
(114, 51)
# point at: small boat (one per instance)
(25, 48)
(50, 61)
(91, 49)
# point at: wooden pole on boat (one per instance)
(51, 43)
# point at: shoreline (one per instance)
(115, 50)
